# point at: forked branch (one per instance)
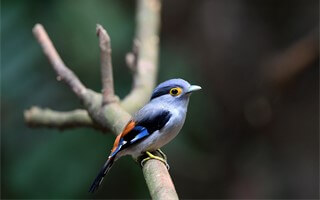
(103, 111)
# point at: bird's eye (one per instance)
(175, 91)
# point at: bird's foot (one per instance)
(151, 156)
(162, 154)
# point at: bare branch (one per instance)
(63, 72)
(144, 78)
(283, 67)
(47, 118)
(159, 181)
(132, 57)
(148, 19)
(112, 115)
(106, 65)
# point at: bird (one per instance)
(152, 127)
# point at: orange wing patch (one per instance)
(131, 124)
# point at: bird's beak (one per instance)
(193, 88)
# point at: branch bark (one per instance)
(102, 110)
(39, 117)
(106, 65)
(144, 77)
(132, 57)
(63, 72)
(159, 181)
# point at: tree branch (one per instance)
(106, 66)
(47, 118)
(148, 21)
(115, 120)
(132, 57)
(111, 115)
(159, 181)
(63, 72)
(286, 65)
(144, 77)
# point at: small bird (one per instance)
(153, 126)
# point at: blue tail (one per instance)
(105, 169)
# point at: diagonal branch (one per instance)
(63, 72)
(286, 65)
(106, 65)
(111, 116)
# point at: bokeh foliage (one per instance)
(218, 44)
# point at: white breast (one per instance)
(161, 137)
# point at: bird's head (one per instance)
(173, 91)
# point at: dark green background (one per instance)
(220, 153)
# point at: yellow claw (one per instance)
(151, 156)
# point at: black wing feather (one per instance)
(151, 122)
(155, 122)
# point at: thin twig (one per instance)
(106, 65)
(63, 72)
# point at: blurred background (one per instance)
(252, 132)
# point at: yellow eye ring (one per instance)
(175, 91)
